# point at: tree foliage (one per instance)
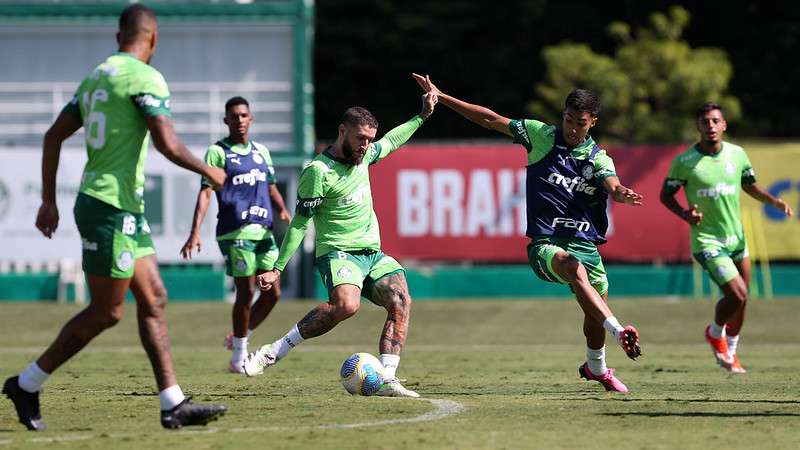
(651, 86)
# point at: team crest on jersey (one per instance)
(257, 158)
(588, 172)
(730, 169)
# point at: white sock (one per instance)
(611, 324)
(32, 378)
(390, 363)
(733, 342)
(239, 349)
(716, 331)
(282, 346)
(596, 360)
(170, 397)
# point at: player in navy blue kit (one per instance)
(568, 181)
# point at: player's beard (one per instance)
(350, 155)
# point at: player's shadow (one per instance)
(692, 400)
(702, 414)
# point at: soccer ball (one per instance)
(361, 374)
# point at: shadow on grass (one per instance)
(702, 414)
(682, 400)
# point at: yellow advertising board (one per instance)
(770, 234)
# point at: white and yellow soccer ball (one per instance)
(361, 374)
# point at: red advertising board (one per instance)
(467, 203)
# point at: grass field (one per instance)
(496, 374)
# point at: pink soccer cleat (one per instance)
(608, 380)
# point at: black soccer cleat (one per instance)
(188, 413)
(26, 404)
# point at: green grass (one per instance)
(511, 364)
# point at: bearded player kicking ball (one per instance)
(568, 181)
(334, 191)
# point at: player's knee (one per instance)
(572, 269)
(244, 294)
(346, 309)
(108, 317)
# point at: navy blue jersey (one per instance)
(244, 199)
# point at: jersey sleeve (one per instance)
(604, 166)
(392, 140)
(214, 157)
(535, 136)
(311, 190)
(73, 108)
(676, 177)
(148, 91)
(271, 178)
(748, 174)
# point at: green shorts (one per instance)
(720, 263)
(542, 249)
(360, 268)
(243, 256)
(112, 239)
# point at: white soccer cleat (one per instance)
(393, 388)
(256, 362)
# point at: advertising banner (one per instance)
(170, 195)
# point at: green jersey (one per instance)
(215, 157)
(713, 183)
(113, 103)
(539, 138)
(338, 198)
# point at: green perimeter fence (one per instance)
(208, 283)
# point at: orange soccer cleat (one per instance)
(719, 347)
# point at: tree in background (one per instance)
(649, 89)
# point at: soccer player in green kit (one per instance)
(244, 225)
(334, 192)
(713, 173)
(568, 181)
(119, 104)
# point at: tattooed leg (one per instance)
(344, 302)
(104, 311)
(151, 298)
(391, 292)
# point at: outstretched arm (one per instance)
(277, 200)
(483, 116)
(762, 195)
(400, 134)
(620, 193)
(167, 142)
(292, 240)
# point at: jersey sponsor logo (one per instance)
(577, 184)
(356, 197)
(251, 178)
(673, 183)
(521, 131)
(567, 222)
(311, 203)
(88, 245)
(715, 192)
(255, 211)
(147, 100)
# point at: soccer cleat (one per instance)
(719, 347)
(188, 413)
(228, 343)
(235, 367)
(393, 388)
(608, 380)
(26, 404)
(256, 362)
(736, 367)
(629, 340)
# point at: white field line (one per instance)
(441, 409)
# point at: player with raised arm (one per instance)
(712, 173)
(119, 104)
(569, 178)
(244, 222)
(334, 192)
